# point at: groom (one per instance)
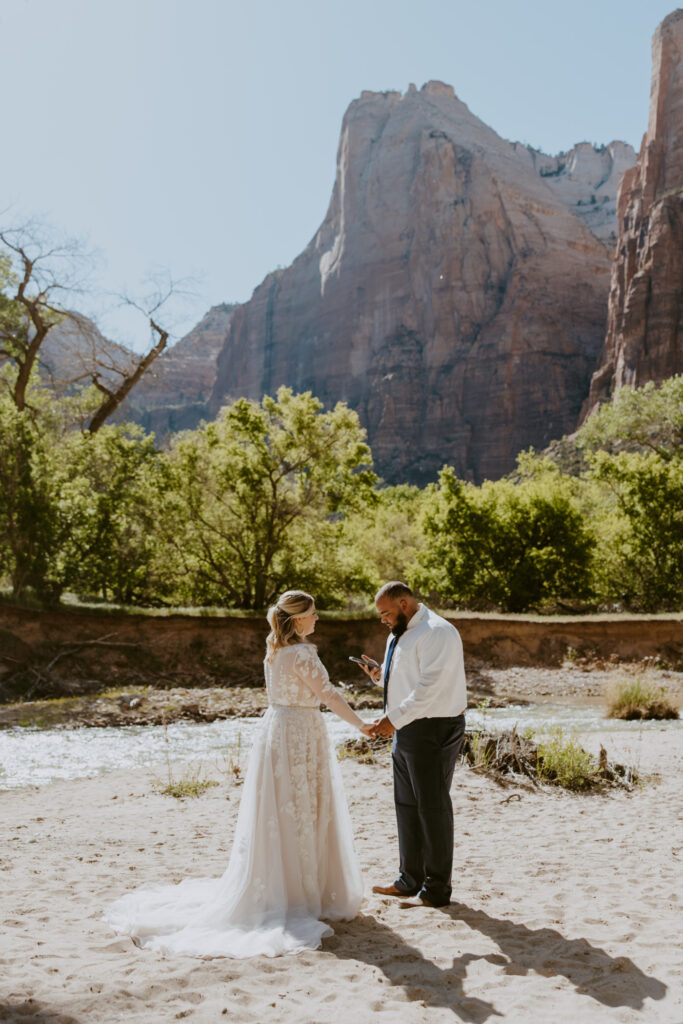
(424, 702)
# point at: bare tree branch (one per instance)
(42, 267)
(38, 266)
(115, 398)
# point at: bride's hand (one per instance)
(367, 730)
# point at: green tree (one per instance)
(386, 537)
(40, 519)
(111, 488)
(647, 419)
(641, 529)
(259, 496)
(506, 545)
(77, 510)
(28, 524)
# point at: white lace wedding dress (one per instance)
(293, 860)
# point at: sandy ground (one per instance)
(566, 908)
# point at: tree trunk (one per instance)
(114, 399)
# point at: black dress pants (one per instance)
(424, 755)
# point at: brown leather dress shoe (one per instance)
(391, 890)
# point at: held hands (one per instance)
(381, 727)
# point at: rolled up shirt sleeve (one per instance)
(439, 659)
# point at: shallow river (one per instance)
(32, 757)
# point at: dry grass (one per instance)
(635, 698)
(230, 764)
(364, 750)
(193, 782)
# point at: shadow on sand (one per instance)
(612, 981)
(33, 1012)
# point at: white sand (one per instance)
(566, 908)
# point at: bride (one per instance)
(293, 861)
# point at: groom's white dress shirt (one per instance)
(427, 673)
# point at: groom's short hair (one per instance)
(394, 590)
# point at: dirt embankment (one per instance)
(504, 642)
(67, 651)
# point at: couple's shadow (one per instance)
(32, 1012)
(612, 981)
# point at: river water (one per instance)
(33, 757)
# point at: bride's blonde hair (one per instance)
(281, 616)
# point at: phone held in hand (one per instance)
(363, 662)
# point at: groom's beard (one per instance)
(401, 624)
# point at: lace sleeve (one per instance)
(313, 674)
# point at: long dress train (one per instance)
(293, 861)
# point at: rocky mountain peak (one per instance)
(452, 295)
(645, 314)
(587, 179)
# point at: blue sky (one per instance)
(201, 135)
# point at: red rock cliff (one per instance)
(645, 318)
(451, 295)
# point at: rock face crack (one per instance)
(269, 339)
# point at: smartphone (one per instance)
(362, 661)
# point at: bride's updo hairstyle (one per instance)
(281, 616)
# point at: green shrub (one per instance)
(643, 553)
(636, 698)
(507, 545)
(192, 782)
(563, 760)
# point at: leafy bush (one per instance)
(642, 560)
(636, 698)
(385, 537)
(110, 491)
(646, 419)
(563, 760)
(506, 545)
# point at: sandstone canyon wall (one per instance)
(75, 348)
(454, 295)
(644, 338)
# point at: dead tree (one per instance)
(114, 398)
(30, 313)
(22, 335)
